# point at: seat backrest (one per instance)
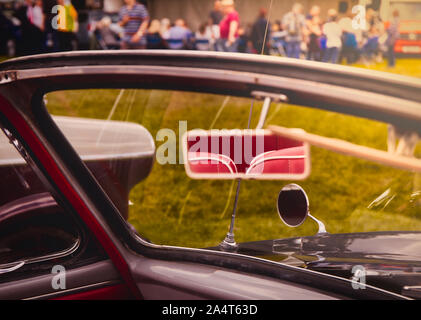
(240, 149)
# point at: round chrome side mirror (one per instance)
(293, 206)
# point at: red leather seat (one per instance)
(204, 162)
(283, 161)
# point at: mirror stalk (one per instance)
(264, 112)
(322, 228)
(268, 99)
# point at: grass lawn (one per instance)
(170, 208)
(406, 67)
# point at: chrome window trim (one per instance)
(363, 99)
(66, 292)
(48, 257)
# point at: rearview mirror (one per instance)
(244, 154)
(293, 206)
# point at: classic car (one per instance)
(74, 172)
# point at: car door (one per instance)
(46, 252)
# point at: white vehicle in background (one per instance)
(410, 22)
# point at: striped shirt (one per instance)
(138, 14)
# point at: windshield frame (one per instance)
(358, 102)
(320, 95)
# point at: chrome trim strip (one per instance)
(102, 271)
(52, 256)
(224, 56)
(75, 290)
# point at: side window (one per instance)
(130, 139)
(35, 232)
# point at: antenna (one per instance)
(229, 243)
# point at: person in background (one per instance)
(38, 15)
(203, 37)
(349, 40)
(313, 43)
(6, 32)
(154, 38)
(259, 31)
(215, 18)
(392, 36)
(67, 26)
(322, 43)
(245, 45)
(228, 27)
(105, 37)
(165, 27)
(134, 18)
(190, 38)
(314, 12)
(371, 36)
(31, 19)
(21, 14)
(277, 39)
(370, 46)
(36, 19)
(373, 19)
(50, 34)
(314, 32)
(333, 32)
(216, 15)
(178, 35)
(294, 24)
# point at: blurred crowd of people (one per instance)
(336, 38)
(293, 34)
(37, 26)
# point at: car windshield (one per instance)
(167, 207)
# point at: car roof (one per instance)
(377, 95)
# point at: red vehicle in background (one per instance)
(409, 41)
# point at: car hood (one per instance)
(402, 250)
(391, 260)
